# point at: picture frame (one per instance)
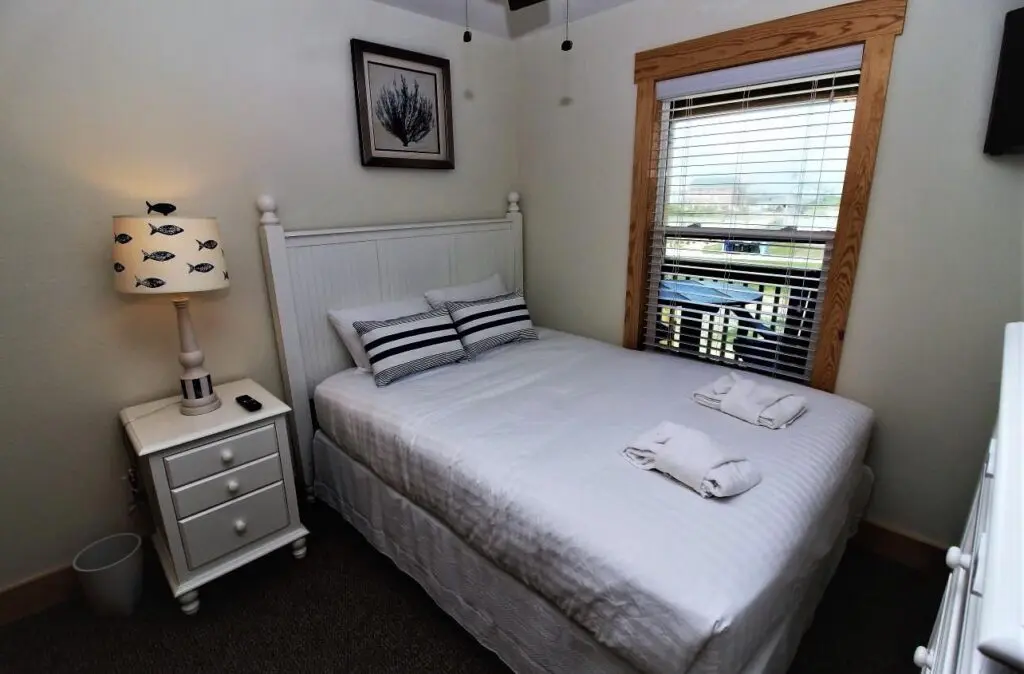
(403, 106)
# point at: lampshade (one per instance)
(168, 255)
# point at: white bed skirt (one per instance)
(523, 629)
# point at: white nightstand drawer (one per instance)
(217, 532)
(195, 464)
(223, 487)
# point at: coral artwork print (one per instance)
(404, 112)
(403, 109)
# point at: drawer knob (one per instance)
(233, 486)
(226, 455)
(957, 559)
(239, 527)
(923, 657)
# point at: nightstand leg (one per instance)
(189, 602)
(299, 548)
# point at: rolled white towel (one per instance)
(758, 404)
(693, 458)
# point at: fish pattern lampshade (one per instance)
(168, 255)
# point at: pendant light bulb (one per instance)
(468, 35)
(566, 43)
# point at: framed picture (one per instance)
(404, 107)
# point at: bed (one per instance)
(498, 485)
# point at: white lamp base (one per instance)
(197, 394)
(195, 407)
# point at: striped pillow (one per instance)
(403, 346)
(485, 324)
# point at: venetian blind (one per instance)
(749, 185)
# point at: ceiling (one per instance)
(493, 16)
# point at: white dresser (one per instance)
(980, 626)
(219, 485)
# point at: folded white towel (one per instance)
(694, 459)
(758, 404)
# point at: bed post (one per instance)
(515, 216)
(289, 350)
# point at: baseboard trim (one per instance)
(906, 550)
(36, 594)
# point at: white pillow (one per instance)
(342, 320)
(481, 290)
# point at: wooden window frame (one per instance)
(873, 23)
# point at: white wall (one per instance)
(941, 265)
(206, 104)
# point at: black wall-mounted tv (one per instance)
(1006, 122)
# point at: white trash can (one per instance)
(110, 571)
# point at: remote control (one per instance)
(249, 403)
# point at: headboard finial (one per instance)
(513, 202)
(268, 210)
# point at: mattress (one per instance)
(518, 453)
(528, 633)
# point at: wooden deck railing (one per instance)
(775, 333)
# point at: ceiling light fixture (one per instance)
(516, 5)
(468, 35)
(566, 43)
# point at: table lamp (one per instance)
(162, 254)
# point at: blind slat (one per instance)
(811, 96)
(775, 289)
(763, 201)
(783, 110)
(776, 234)
(771, 340)
(772, 367)
(770, 169)
(802, 332)
(838, 152)
(792, 123)
(755, 148)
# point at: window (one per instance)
(749, 186)
(754, 154)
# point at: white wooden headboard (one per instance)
(309, 272)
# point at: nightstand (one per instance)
(219, 485)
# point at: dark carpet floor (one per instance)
(345, 608)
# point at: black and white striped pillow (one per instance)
(485, 324)
(403, 346)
